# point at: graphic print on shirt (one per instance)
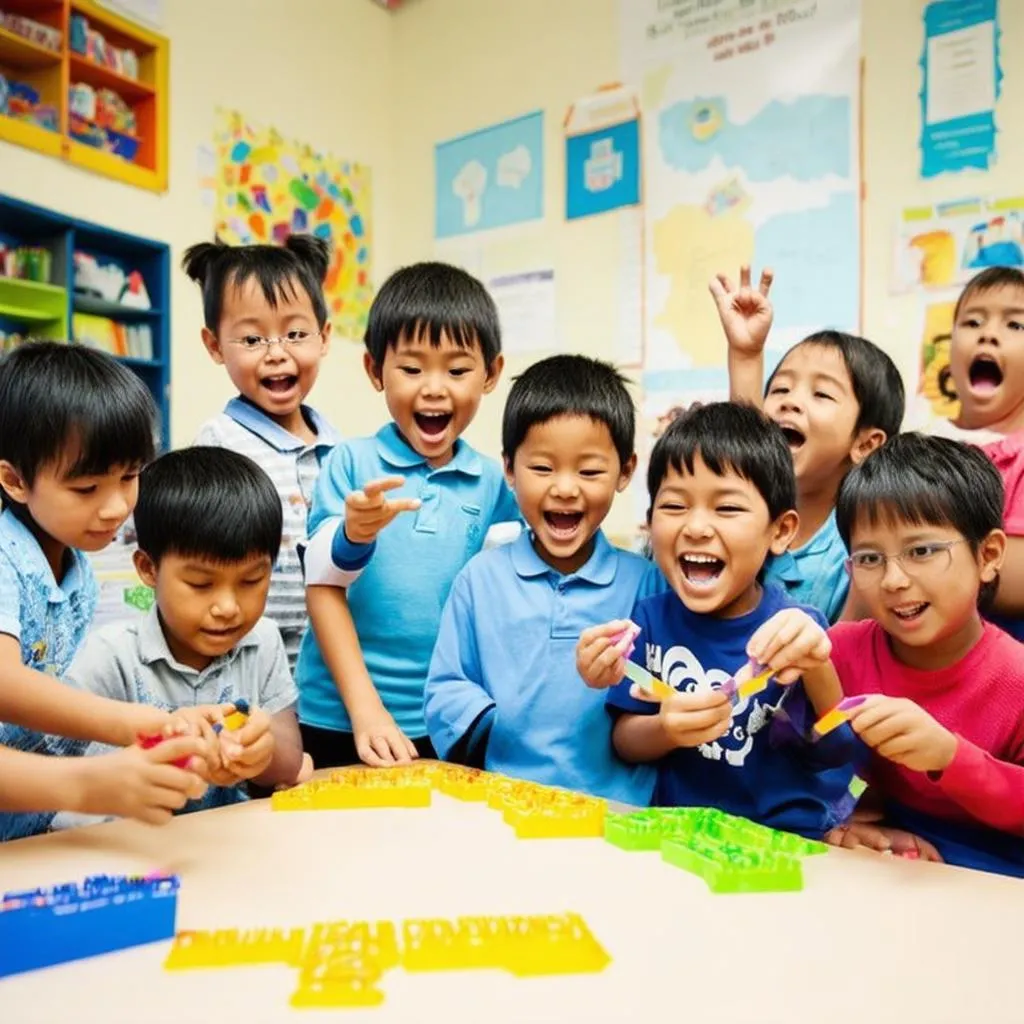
(682, 670)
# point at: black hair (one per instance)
(568, 385)
(988, 280)
(922, 479)
(280, 271)
(728, 436)
(70, 406)
(209, 503)
(431, 300)
(877, 384)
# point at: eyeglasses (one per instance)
(916, 561)
(256, 342)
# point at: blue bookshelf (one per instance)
(48, 308)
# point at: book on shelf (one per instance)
(134, 341)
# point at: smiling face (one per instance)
(811, 397)
(277, 378)
(987, 359)
(566, 474)
(433, 392)
(711, 535)
(920, 583)
(206, 607)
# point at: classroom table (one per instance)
(870, 938)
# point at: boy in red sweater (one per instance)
(944, 708)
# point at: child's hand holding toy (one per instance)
(247, 743)
(367, 512)
(790, 643)
(692, 718)
(903, 732)
(601, 653)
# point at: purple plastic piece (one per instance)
(849, 703)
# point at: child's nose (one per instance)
(225, 606)
(894, 578)
(434, 384)
(696, 524)
(115, 507)
(564, 485)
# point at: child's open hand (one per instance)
(690, 719)
(870, 835)
(790, 643)
(379, 741)
(600, 662)
(141, 784)
(745, 312)
(367, 512)
(247, 752)
(903, 732)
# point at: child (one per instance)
(433, 347)
(209, 528)
(503, 692)
(266, 323)
(722, 494)
(944, 713)
(75, 429)
(837, 398)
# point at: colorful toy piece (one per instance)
(103, 913)
(231, 947)
(148, 742)
(737, 689)
(730, 869)
(629, 635)
(238, 717)
(358, 788)
(831, 720)
(651, 685)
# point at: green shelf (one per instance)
(27, 315)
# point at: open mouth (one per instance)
(432, 424)
(280, 384)
(794, 438)
(985, 375)
(701, 570)
(563, 525)
(910, 612)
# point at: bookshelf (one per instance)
(52, 308)
(52, 73)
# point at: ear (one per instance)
(627, 473)
(372, 372)
(783, 531)
(868, 440)
(325, 339)
(146, 568)
(494, 374)
(991, 552)
(13, 483)
(509, 475)
(213, 346)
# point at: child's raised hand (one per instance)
(248, 751)
(692, 718)
(904, 733)
(600, 662)
(790, 643)
(367, 512)
(745, 312)
(142, 784)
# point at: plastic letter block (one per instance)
(103, 913)
(231, 947)
(343, 963)
(554, 944)
(365, 788)
(729, 869)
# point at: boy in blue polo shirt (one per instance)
(722, 492)
(837, 397)
(503, 692)
(433, 347)
(266, 322)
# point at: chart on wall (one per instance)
(751, 155)
(269, 187)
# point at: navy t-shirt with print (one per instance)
(753, 771)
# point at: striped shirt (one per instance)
(294, 466)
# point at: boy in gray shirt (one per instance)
(209, 529)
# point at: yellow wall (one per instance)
(295, 72)
(432, 71)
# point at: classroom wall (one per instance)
(297, 66)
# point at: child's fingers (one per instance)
(373, 489)
(605, 630)
(767, 278)
(639, 693)
(698, 737)
(696, 721)
(396, 505)
(720, 286)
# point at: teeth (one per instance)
(908, 611)
(703, 559)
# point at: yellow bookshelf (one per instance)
(53, 72)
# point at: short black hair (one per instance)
(301, 263)
(728, 436)
(922, 479)
(877, 384)
(431, 299)
(209, 503)
(568, 385)
(986, 281)
(67, 405)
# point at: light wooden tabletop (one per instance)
(870, 939)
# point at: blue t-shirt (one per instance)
(405, 575)
(507, 650)
(748, 772)
(49, 620)
(814, 574)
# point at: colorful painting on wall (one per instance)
(269, 187)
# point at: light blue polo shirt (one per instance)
(815, 574)
(396, 600)
(49, 620)
(508, 643)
